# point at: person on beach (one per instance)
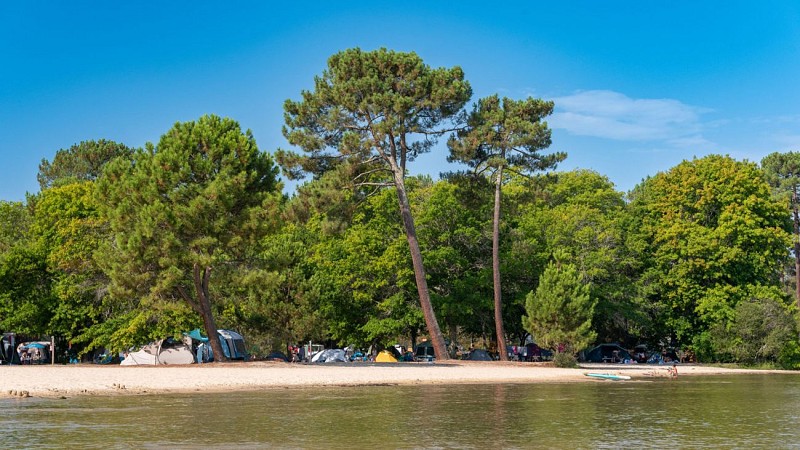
(673, 371)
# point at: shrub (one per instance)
(565, 360)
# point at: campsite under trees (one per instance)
(123, 246)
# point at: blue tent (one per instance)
(196, 335)
(232, 345)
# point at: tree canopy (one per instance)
(195, 203)
(81, 162)
(714, 233)
(372, 113)
(122, 246)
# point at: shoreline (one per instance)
(89, 379)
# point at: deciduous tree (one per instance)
(713, 232)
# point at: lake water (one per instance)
(743, 411)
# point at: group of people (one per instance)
(31, 355)
(297, 352)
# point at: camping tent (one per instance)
(232, 344)
(34, 352)
(328, 356)
(479, 354)
(607, 353)
(385, 356)
(277, 356)
(165, 351)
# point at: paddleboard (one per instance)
(608, 376)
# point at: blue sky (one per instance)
(638, 86)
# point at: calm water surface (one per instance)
(760, 411)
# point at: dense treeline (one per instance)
(122, 246)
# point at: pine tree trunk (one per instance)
(796, 248)
(498, 298)
(204, 309)
(437, 339)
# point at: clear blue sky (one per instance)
(638, 86)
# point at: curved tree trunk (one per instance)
(203, 307)
(498, 299)
(437, 339)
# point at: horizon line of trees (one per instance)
(122, 246)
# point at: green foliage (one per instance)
(81, 162)
(782, 172)
(26, 299)
(713, 233)
(371, 113)
(51, 266)
(276, 301)
(565, 360)
(15, 219)
(762, 330)
(201, 200)
(581, 215)
(365, 107)
(499, 136)
(452, 224)
(364, 277)
(560, 310)
(506, 133)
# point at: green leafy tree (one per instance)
(762, 330)
(372, 113)
(580, 214)
(277, 302)
(199, 201)
(81, 162)
(504, 135)
(452, 219)
(365, 277)
(68, 229)
(560, 310)
(783, 174)
(15, 220)
(713, 233)
(26, 299)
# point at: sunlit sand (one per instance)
(70, 380)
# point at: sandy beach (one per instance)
(87, 379)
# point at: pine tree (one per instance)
(560, 310)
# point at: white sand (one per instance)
(87, 379)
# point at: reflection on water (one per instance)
(691, 412)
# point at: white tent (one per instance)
(330, 355)
(165, 352)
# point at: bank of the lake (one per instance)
(71, 380)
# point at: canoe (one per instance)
(608, 376)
